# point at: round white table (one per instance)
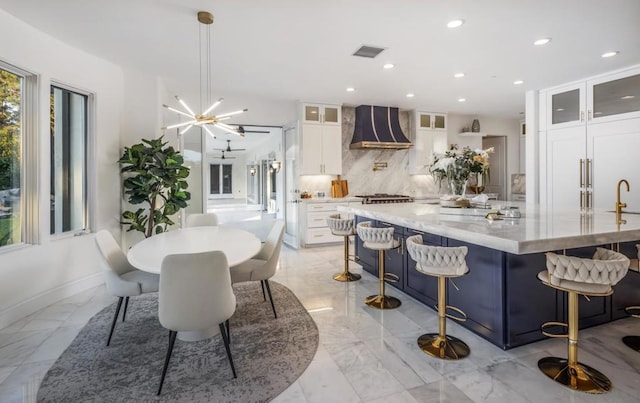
(238, 245)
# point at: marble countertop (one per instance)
(538, 230)
(347, 199)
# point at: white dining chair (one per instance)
(122, 279)
(262, 266)
(195, 295)
(202, 220)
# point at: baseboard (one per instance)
(42, 300)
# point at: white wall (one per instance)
(492, 126)
(36, 275)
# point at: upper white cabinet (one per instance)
(321, 140)
(602, 99)
(429, 135)
(590, 133)
(431, 121)
(322, 114)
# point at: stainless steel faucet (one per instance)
(620, 206)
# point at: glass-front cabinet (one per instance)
(614, 97)
(608, 98)
(433, 121)
(565, 106)
(321, 114)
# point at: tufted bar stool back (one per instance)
(343, 226)
(633, 341)
(443, 263)
(575, 276)
(380, 239)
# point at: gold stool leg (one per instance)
(382, 301)
(569, 372)
(346, 275)
(440, 345)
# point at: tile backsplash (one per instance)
(357, 167)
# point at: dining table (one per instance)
(237, 244)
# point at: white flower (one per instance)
(444, 163)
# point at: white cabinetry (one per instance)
(429, 135)
(590, 134)
(321, 140)
(315, 228)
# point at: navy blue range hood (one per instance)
(378, 127)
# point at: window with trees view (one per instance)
(68, 126)
(10, 157)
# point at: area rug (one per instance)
(269, 354)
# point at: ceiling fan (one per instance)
(223, 157)
(228, 149)
(242, 130)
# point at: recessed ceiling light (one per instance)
(411, 95)
(455, 23)
(628, 97)
(518, 82)
(542, 41)
(388, 66)
(458, 75)
(610, 54)
(462, 100)
(350, 89)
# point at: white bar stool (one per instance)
(444, 263)
(343, 226)
(588, 277)
(380, 239)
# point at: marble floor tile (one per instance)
(441, 391)
(293, 394)
(365, 355)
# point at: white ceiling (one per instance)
(301, 50)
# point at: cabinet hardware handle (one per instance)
(588, 194)
(582, 116)
(318, 236)
(581, 199)
(588, 172)
(417, 232)
(589, 115)
(318, 219)
(401, 239)
(581, 172)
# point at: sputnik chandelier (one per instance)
(205, 118)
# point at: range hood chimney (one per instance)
(378, 127)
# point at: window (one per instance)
(68, 124)
(18, 157)
(221, 176)
(10, 157)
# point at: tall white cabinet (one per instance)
(321, 139)
(428, 135)
(590, 137)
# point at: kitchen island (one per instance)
(504, 301)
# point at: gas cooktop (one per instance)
(377, 198)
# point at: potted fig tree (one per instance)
(153, 175)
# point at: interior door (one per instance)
(291, 185)
(498, 160)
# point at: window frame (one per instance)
(89, 166)
(30, 157)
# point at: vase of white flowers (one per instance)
(456, 167)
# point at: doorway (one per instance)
(291, 185)
(497, 182)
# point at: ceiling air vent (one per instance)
(368, 51)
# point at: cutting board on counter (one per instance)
(339, 187)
